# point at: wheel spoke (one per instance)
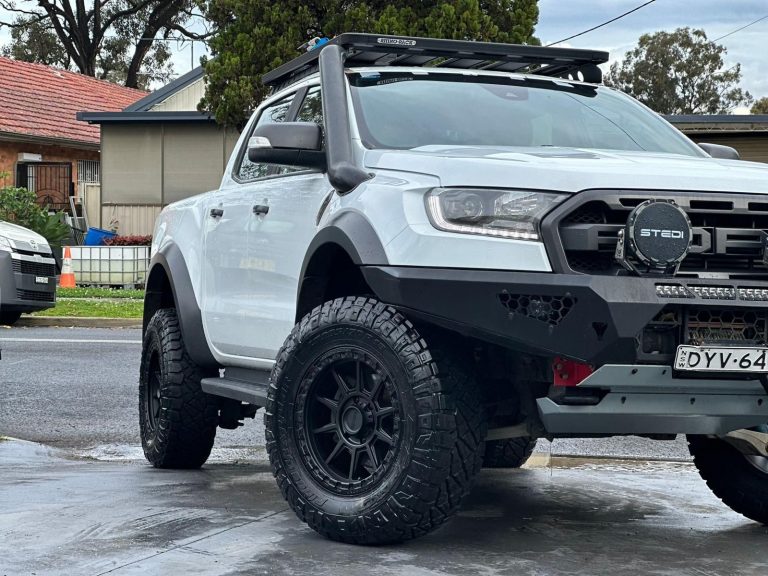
(384, 437)
(372, 457)
(381, 412)
(353, 452)
(335, 451)
(330, 427)
(343, 387)
(359, 385)
(332, 404)
(377, 382)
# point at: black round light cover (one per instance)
(659, 233)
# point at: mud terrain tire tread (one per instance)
(448, 447)
(508, 453)
(189, 417)
(736, 482)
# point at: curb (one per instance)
(81, 322)
(545, 460)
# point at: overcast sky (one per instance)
(561, 18)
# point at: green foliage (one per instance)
(760, 106)
(97, 292)
(679, 72)
(19, 206)
(254, 36)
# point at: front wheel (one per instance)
(8, 318)
(374, 433)
(509, 453)
(739, 480)
(177, 419)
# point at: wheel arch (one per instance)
(333, 263)
(169, 286)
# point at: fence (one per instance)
(111, 265)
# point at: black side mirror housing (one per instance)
(289, 144)
(720, 151)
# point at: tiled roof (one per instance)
(41, 101)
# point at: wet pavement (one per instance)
(61, 515)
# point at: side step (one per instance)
(249, 386)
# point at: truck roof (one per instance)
(373, 50)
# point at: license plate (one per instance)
(721, 359)
(41, 279)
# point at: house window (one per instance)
(88, 172)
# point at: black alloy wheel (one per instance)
(352, 417)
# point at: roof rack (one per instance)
(380, 50)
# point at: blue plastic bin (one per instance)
(96, 236)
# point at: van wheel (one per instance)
(8, 318)
(177, 419)
(740, 481)
(508, 453)
(374, 433)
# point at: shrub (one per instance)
(129, 241)
(19, 206)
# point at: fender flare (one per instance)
(355, 235)
(171, 261)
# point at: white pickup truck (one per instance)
(426, 254)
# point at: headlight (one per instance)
(5, 244)
(504, 213)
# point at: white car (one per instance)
(27, 273)
(426, 254)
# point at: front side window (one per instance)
(404, 110)
(277, 112)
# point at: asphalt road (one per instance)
(76, 388)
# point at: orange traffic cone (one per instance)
(67, 276)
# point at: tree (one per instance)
(760, 106)
(679, 72)
(109, 39)
(253, 36)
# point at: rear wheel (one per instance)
(374, 434)
(508, 453)
(8, 318)
(739, 480)
(177, 419)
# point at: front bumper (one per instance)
(21, 286)
(594, 319)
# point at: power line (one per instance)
(740, 29)
(619, 17)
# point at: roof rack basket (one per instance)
(378, 50)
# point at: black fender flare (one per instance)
(352, 233)
(171, 261)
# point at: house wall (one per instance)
(752, 146)
(9, 156)
(184, 100)
(148, 165)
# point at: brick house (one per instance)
(43, 147)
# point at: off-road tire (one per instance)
(508, 453)
(739, 484)
(8, 318)
(440, 438)
(182, 432)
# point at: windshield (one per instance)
(406, 110)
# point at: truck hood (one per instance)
(573, 169)
(23, 237)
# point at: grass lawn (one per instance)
(95, 308)
(99, 293)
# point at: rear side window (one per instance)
(277, 112)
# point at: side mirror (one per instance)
(720, 151)
(288, 143)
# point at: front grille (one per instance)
(35, 296)
(676, 325)
(34, 268)
(728, 232)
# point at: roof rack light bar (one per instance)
(381, 50)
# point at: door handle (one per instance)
(261, 209)
(217, 212)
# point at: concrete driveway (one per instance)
(76, 517)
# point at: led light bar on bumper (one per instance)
(712, 292)
(514, 214)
